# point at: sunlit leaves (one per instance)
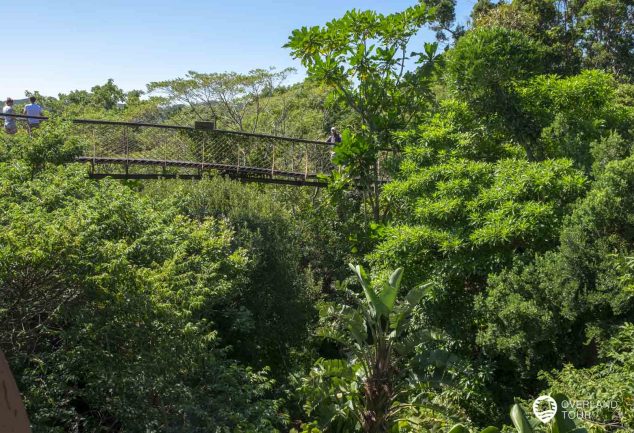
(231, 98)
(120, 302)
(363, 57)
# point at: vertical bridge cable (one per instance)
(202, 159)
(127, 149)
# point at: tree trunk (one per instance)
(378, 393)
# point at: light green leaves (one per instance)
(388, 296)
(382, 304)
(377, 307)
(459, 428)
(430, 51)
(520, 421)
(390, 289)
(395, 278)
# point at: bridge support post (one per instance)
(293, 157)
(306, 163)
(94, 152)
(164, 158)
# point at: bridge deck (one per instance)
(247, 174)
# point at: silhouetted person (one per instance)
(10, 125)
(33, 109)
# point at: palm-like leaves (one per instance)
(376, 338)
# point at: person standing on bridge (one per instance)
(33, 109)
(10, 126)
(334, 137)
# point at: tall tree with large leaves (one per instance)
(365, 58)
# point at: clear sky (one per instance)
(62, 45)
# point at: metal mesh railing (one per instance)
(204, 149)
(144, 149)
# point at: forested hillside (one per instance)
(496, 265)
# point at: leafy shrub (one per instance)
(110, 308)
(52, 143)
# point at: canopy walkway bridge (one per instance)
(127, 150)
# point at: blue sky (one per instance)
(58, 46)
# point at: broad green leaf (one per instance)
(360, 273)
(395, 278)
(564, 424)
(379, 307)
(430, 49)
(459, 428)
(357, 328)
(416, 294)
(388, 296)
(519, 419)
(375, 302)
(490, 429)
(397, 321)
(335, 367)
(440, 358)
(331, 334)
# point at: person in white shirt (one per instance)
(33, 109)
(10, 125)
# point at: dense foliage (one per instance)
(215, 306)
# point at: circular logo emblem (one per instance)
(545, 408)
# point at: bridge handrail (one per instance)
(175, 127)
